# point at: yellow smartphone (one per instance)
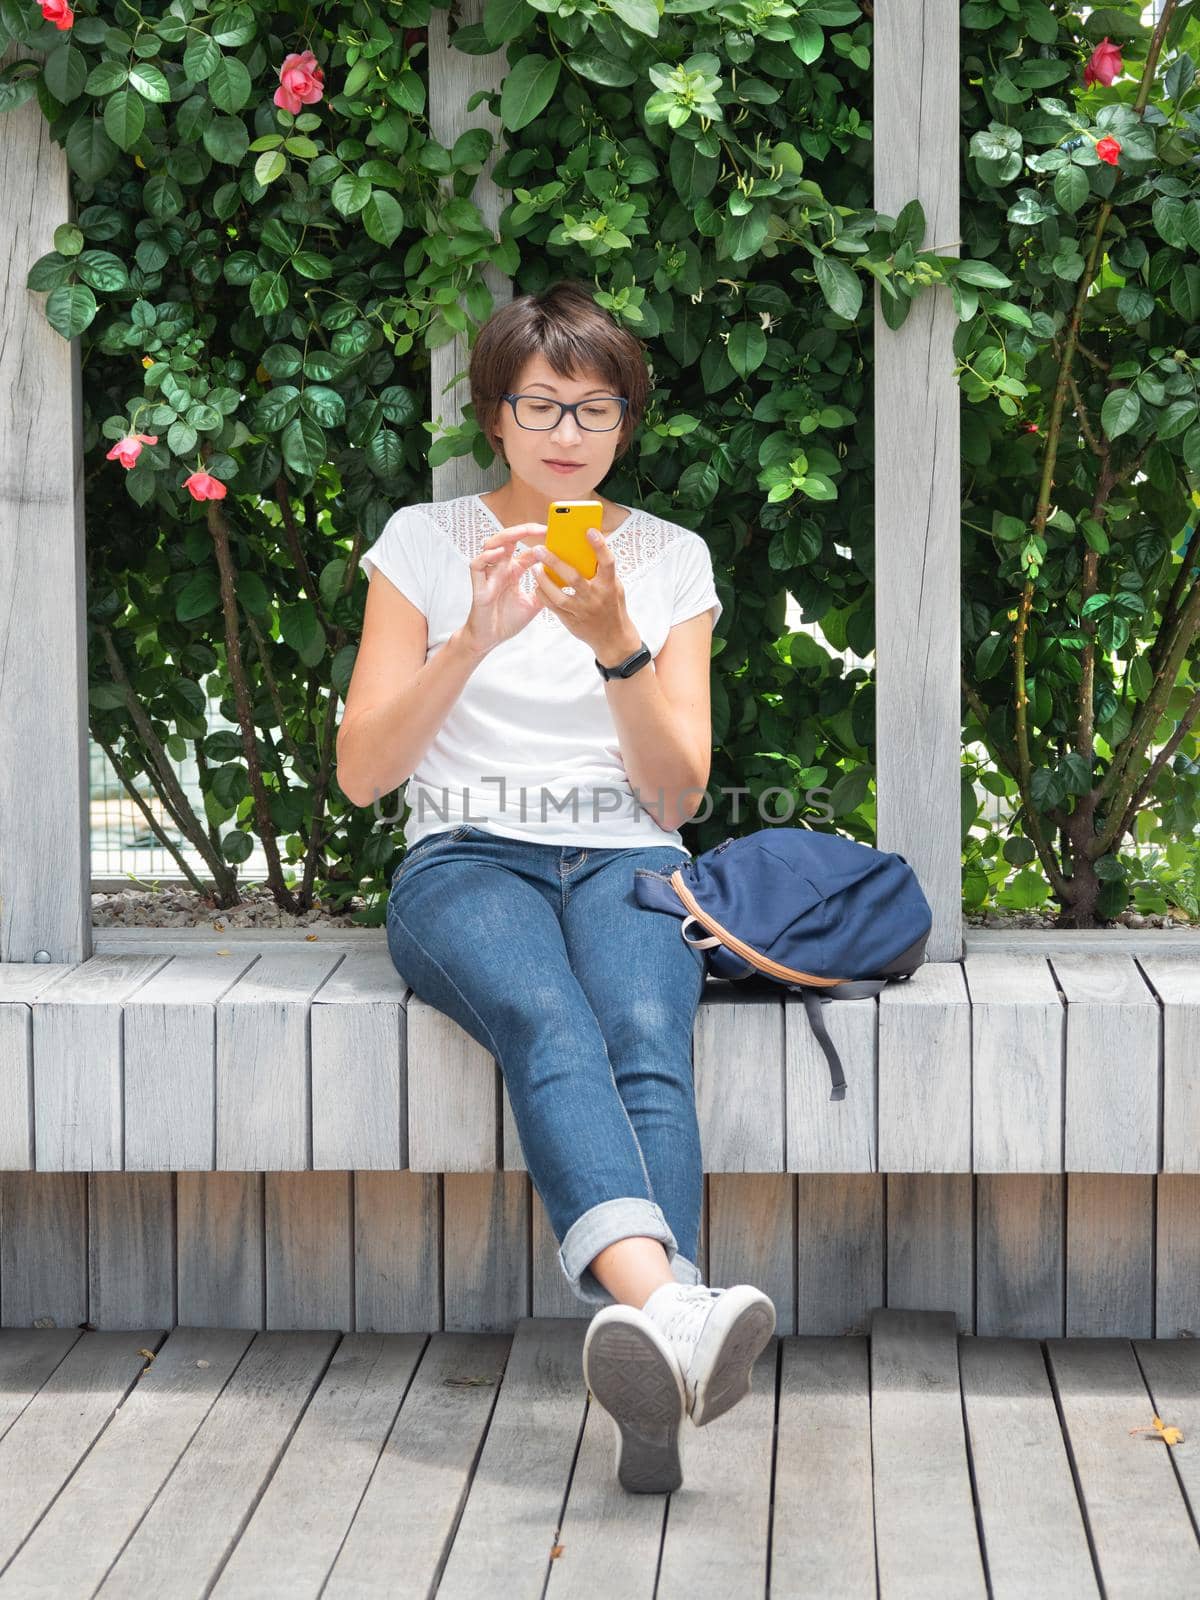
(567, 522)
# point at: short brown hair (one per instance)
(564, 324)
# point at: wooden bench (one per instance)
(278, 1133)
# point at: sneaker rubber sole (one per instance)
(738, 1328)
(633, 1374)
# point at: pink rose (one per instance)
(128, 449)
(301, 82)
(1104, 64)
(1108, 149)
(59, 13)
(203, 487)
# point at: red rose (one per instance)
(203, 487)
(1108, 149)
(59, 13)
(1104, 64)
(301, 82)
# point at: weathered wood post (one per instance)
(917, 478)
(45, 887)
(453, 79)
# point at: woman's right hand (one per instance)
(499, 609)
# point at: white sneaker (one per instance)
(717, 1335)
(632, 1372)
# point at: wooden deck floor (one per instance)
(916, 1462)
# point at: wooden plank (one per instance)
(83, 1531)
(453, 1089)
(77, 1024)
(27, 1358)
(485, 1250)
(1137, 1516)
(309, 1250)
(221, 1249)
(824, 1135)
(397, 1251)
(511, 1518)
(454, 78)
(1032, 1525)
(823, 1533)
(1177, 1258)
(839, 1251)
(717, 1535)
(44, 1445)
(1171, 1368)
(297, 1529)
(924, 1051)
(1176, 982)
(1114, 1065)
(20, 983)
(752, 1237)
(609, 1540)
(1110, 1258)
(738, 1072)
(1018, 1033)
(131, 1249)
(1019, 1255)
(43, 1249)
(409, 1513)
(930, 1244)
(169, 1049)
(190, 1530)
(45, 908)
(263, 1098)
(924, 1517)
(360, 1067)
(918, 499)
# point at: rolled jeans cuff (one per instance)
(606, 1223)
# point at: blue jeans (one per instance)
(587, 1002)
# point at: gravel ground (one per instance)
(184, 908)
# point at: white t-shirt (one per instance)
(529, 750)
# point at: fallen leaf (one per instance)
(1171, 1435)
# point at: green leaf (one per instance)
(1070, 188)
(200, 595)
(747, 348)
(350, 194)
(528, 87)
(383, 217)
(300, 627)
(840, 285)
(229, 85)
(981, 273)
(304, 446)
(1120, 411)
(641, 15)
(103, 270)
(125, 118)
(597, 67)
(90, 152)
(70, 308)
(149, 81)
(65, 72)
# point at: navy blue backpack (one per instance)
(825, 916)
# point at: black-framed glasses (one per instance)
(538, 411)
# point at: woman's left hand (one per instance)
(596, 611)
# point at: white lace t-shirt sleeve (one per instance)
(401, 553)
(695, 590)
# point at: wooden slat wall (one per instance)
(917, 478)
(305, 1058)
(1030, 1257)
(45, 871)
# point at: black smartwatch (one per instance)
(631, 664)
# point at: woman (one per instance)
(537, 785)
